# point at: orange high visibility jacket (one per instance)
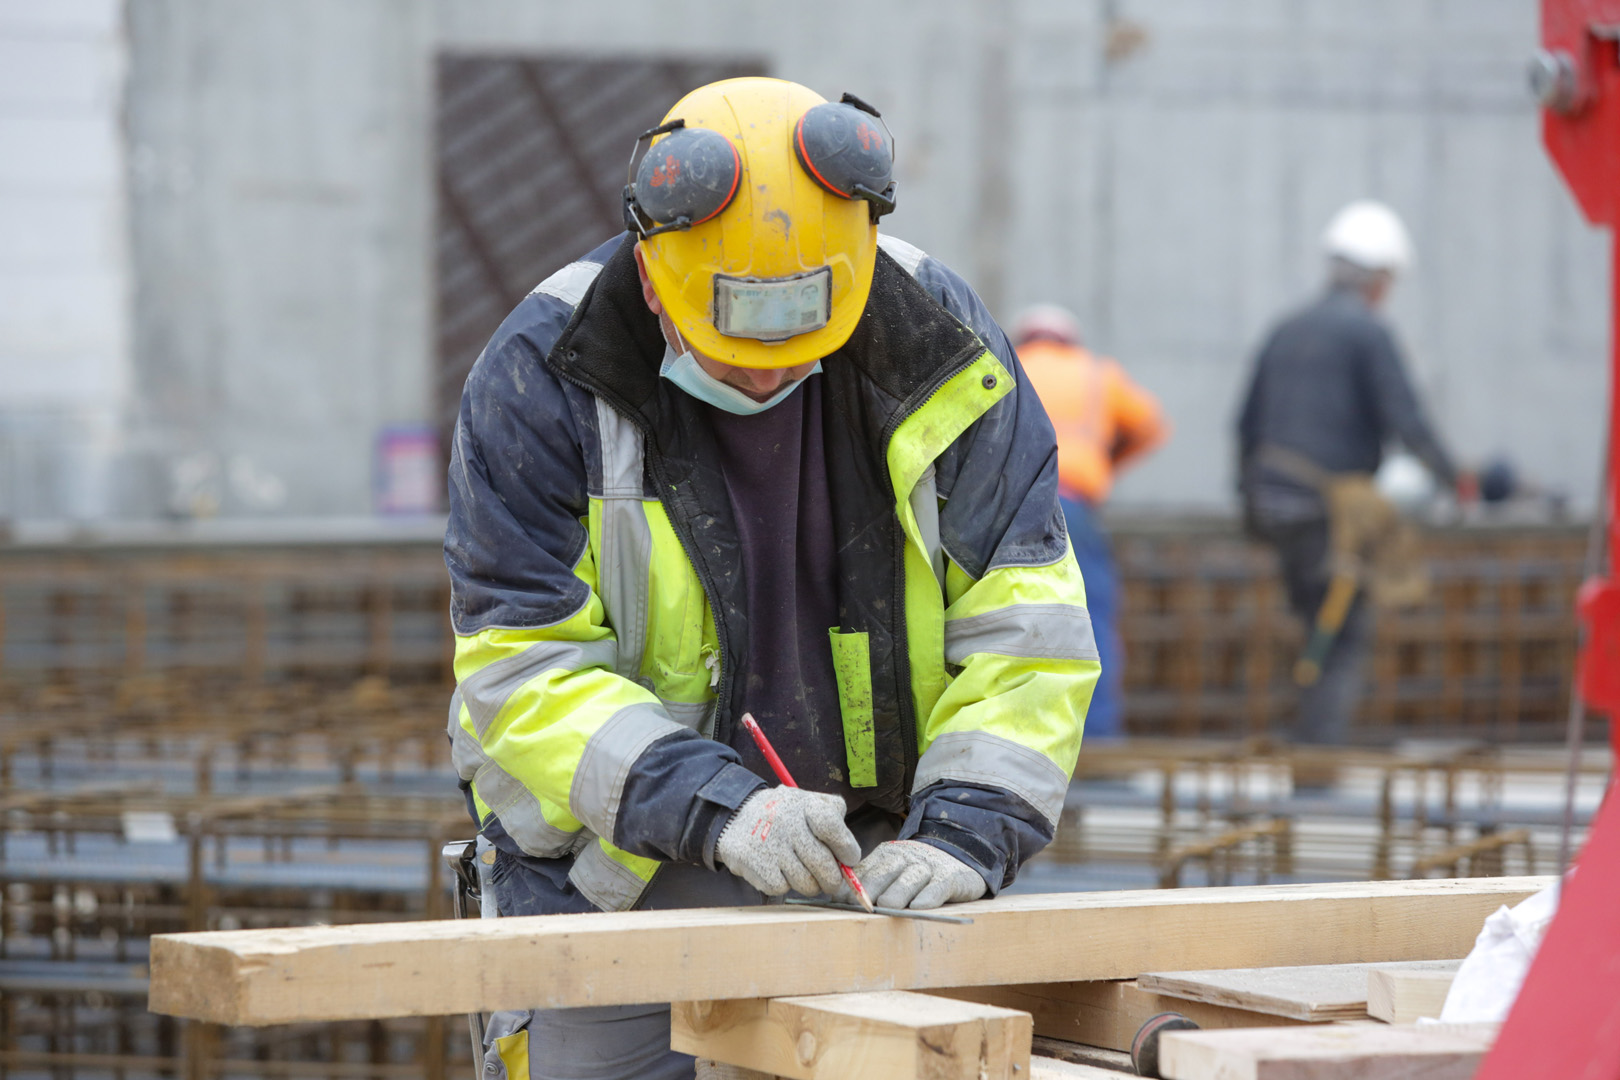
(1102, 418)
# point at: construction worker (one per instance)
(1103, 420)
(754, 457)
(1329, 390)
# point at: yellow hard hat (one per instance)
(761, 243)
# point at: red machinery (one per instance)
(1566, 1021)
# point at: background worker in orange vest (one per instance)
(1103, 419)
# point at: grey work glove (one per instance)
(909, 873)
(785, 838)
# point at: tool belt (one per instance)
(1368, 539)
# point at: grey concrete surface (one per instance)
(1164, 167)
(64, 259)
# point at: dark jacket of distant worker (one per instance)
(1329, 391)
(1103, 420)
(753, 457)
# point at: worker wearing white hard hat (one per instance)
(1369, 235)
(1329, 392)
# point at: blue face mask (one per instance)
(684, 372)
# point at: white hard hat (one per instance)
(1370, 235)
(1405, 481)
(1048, 321)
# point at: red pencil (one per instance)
(782, 774)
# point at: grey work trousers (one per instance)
(1327, 708)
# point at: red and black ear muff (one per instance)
(686, 179)
(847, 148)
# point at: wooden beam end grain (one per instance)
(884, 1035)
(1401, 997)
(196, 981)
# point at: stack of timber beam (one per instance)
(811, 993)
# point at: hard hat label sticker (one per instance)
(771, 309)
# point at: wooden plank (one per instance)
(1357, 1051)
(1399, 996)
(886, 1035)
(1044, 1068)
(1316, 993)
(1074, 1053)
(1105, 1013)
(479, 965)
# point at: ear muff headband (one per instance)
(686, 179)
(847, 148)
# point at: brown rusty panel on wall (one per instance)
(532, 154)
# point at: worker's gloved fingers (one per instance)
(936, 893)
(766, 878)
(820, 865)
(800, 879)
(875, 871)
(824, 817)
(950, 886)
(909, 873)
(880, 868)
(902, 890)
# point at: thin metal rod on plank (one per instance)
(898, 913)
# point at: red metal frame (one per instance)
(1566, 1021)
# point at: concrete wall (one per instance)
(64, 269)
(1205, 163)
(1162, 166)
(1165, 168)
(282, 231)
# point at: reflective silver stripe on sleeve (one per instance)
(699, 716)
(907, 255)
(487, 690)
(485, 693)
(625, 561)
(925, 508)
(1034, 631)
(510, 800)
(518, 809)
(978, 757)
(608, 884)
(465, 753)
(569, 283)
(609, 753)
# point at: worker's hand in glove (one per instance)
(785, 838)
(909, 873)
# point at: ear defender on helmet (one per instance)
(692, 174)
(846, 147)
(688, 178)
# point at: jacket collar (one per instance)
(906, 344)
